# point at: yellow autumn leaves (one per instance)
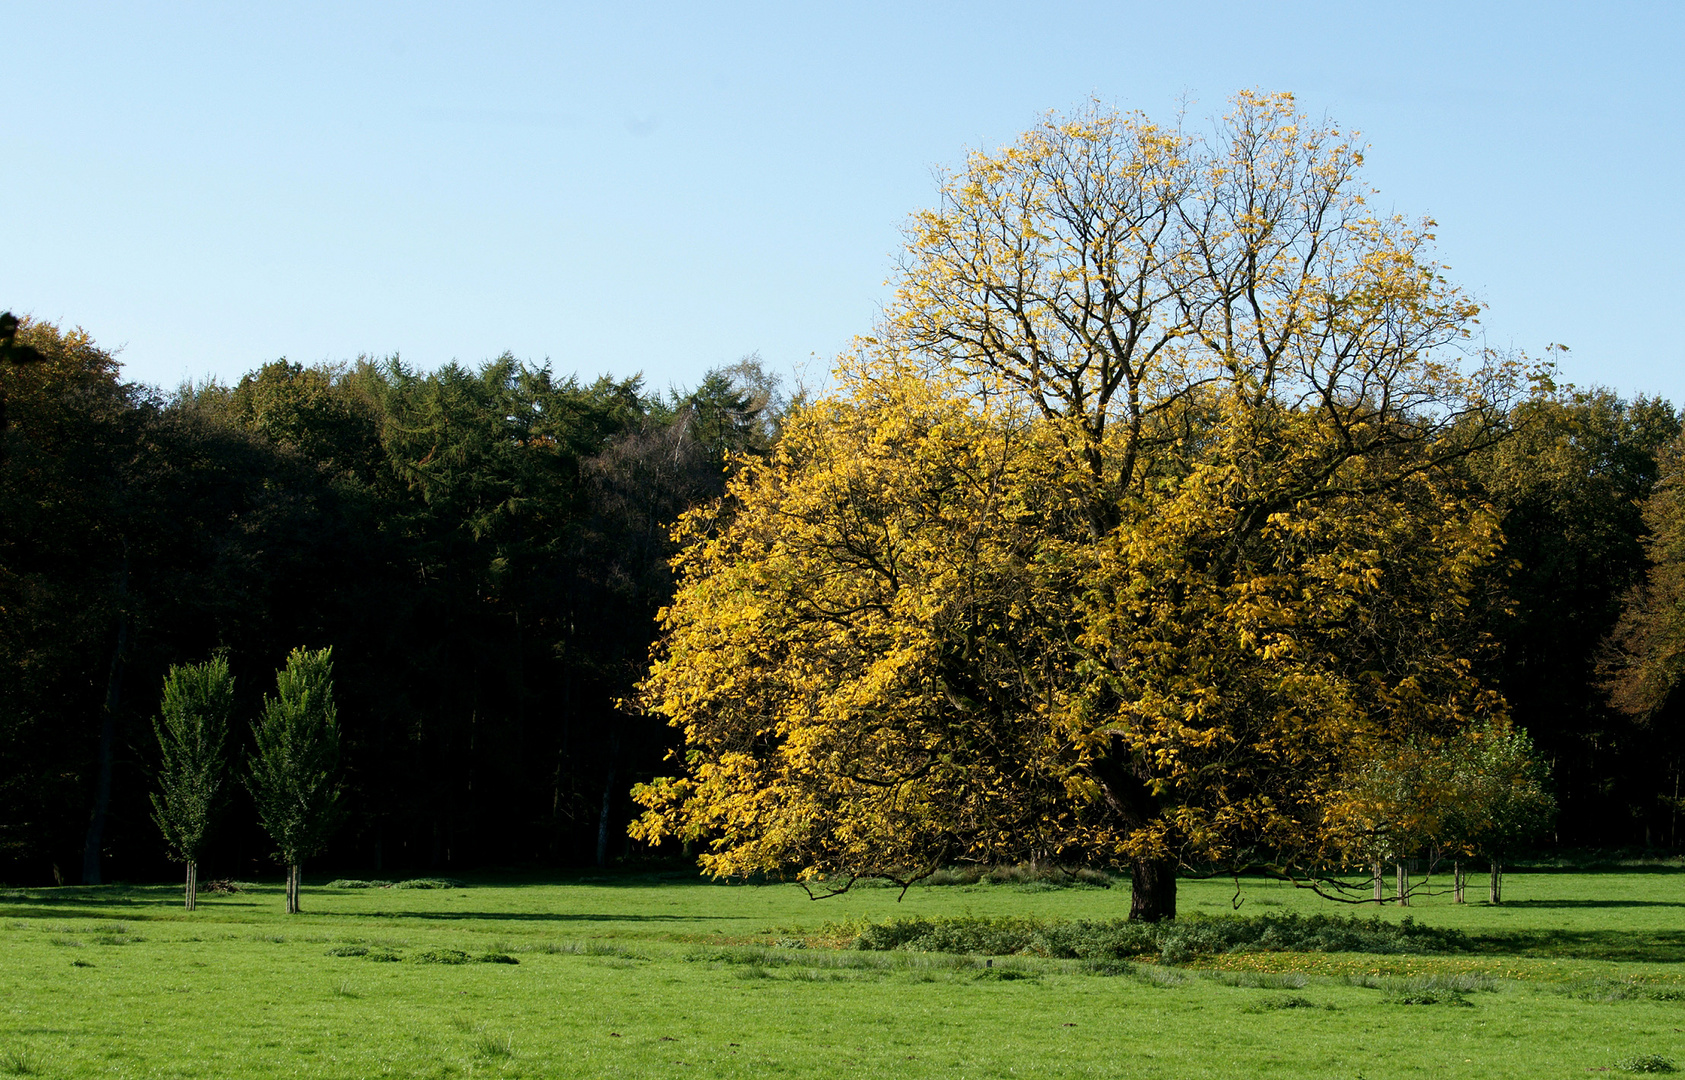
(1132, 533)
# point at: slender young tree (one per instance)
(192, 733)
(294, 774)
(1502, 795)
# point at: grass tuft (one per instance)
(1429, 997)
(1005, 974)
(588, 948)
(1297, 1001)
(1646, 1063)
(18, 1063)
(441, 956)
(1457, 983)
(496, 1046)
(1608, 990)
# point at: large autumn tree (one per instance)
(1133, 531)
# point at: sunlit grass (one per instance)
(631, 976)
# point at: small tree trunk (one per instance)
(1457, 881)
(603, 818)
(192, 885)
(1401, 874)
(1152, 890)
(1375, 869)
(1496, 892)
(94, 840)
(292, 888)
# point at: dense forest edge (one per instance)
(486, 550)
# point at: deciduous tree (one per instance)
(192, 733)
(1212, 356)
(294, 771)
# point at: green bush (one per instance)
(413, 883)
(1021, 874)
(1173, 942)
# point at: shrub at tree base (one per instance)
(1173, 942)
(413, 883)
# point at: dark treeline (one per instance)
(485, 550)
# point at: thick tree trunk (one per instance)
(1152, 890)
(292, 888)
(95, 838)
(1495, 892)
(1401, 871)
(192, 886)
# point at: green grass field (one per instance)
(667, 976)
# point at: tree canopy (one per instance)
(1209, 353)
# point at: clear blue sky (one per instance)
(665, 188)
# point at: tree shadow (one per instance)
(1633, 946)
(1608, 869)
(1593, 903)
(522, 916)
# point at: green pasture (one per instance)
(663, 975)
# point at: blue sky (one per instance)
(624, 188)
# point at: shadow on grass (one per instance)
(524, 916)
(1593, 903)
(1600, 869)
(1645, 946)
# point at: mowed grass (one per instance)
(664, 975)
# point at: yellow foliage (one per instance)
(1128, 536)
